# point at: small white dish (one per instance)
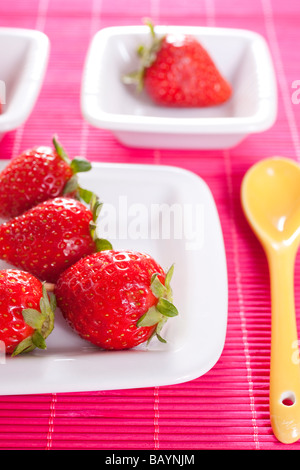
(189, 235)
(242, 57)
(24, 57)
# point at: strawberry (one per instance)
(51, 236)
(177, 71)
(36, 175)
(116, 299)
(26, 312)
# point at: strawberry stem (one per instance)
(149, 23)
(60, 150)
(147, 56)
(77, 165)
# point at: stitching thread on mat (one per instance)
(156, 418)
(155, 13)
(241, 299)
(94, 27)
(210, 12)
(51, 422)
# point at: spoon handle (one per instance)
(284, 369)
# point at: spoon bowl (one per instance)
(271, 200)
(270, 196)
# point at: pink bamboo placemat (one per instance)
(227, 408)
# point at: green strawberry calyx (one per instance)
(95, 207)
(77, 165)
(147, 56)
(41, 321)
(164, 309)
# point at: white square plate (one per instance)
(24, 57)
(242, 57)
(189, 235)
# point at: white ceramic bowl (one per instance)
(24, 57)
(242, 57)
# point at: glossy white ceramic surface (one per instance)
(24, 57)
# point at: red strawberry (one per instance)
(37, 175)
(116, 299)
(26, 312)
(177, 71)
(50, 237)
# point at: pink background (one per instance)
(228, 407)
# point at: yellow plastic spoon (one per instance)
(270, 196)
